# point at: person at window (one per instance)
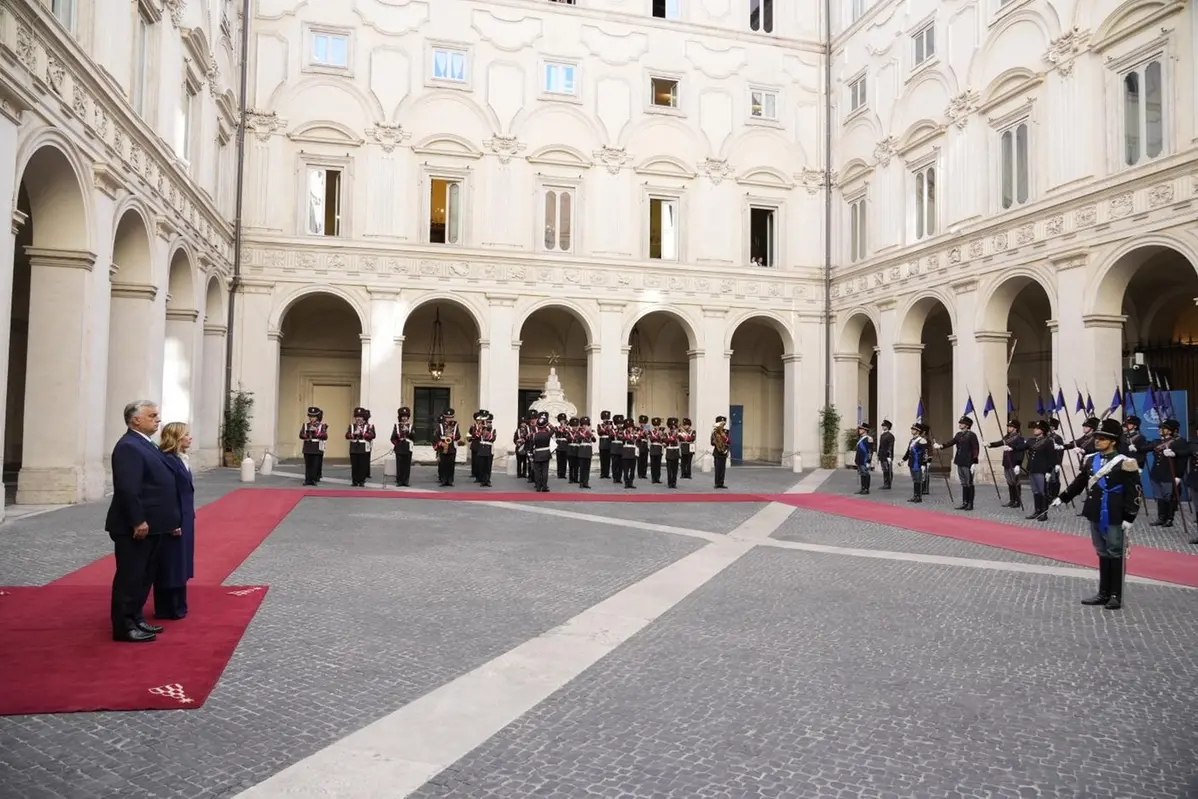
(360, 435)
(176, 562)
(315, 435)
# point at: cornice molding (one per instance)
(903, 348)
(62, 259)
(133, 291)
(188, 315)
(1110, 321)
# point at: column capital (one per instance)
(215, 330)
(693, 354)
(399, 340)
(1070, 260)
(364, 338)
(792, 357)
(19, 218)
(484, 343)
(274, 335)
(627, 348)
(502, 300)
(255, 287)
(65, 259)
(886, 305)
(991, 336)
(517, 343)
(846, 357)
(910, 349)
(1104, 320)
(612, 306)
(1053, 325)
(593, 348)
(382, 294)
(133, 291)
(182, 314)
(713, 313)
(952, 339)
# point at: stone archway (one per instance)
(214, 353)
(131, 359)
(49, 325)
(441, 367)
(659, 368)
(180, 341)
(555, 335)
(856, 371)
(925, 349)
(320, 363)
(759, 423)
(1017, 325)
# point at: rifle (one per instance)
(948, 486)
(986, 450)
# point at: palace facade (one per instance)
(443, 199)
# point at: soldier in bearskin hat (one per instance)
(1110, 483)
(617, 448)
(402, 437)
(360, 435)
(686, 442)
(607, 432)
(584, 440)
(315, 435)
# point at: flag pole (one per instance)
(948, 486)
(985, 450)
(1001, 437)
(1185, 527)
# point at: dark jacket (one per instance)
(967, 446)
(1121, 488)
(886, 446)
(865, 451)
(542, 439)
(1041, 453)
(1141, 445)
(143, 489)
(1015, 457)
(1165, 470)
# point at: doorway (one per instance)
(337, 402)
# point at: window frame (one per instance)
(311, 65)
(668, 194)
(343, 164)
(676, 4)
(858, 240)
(999, 126)
(462, 176)
(920, 34)
(860, 79)
(67, 14)
(772, 13)
(915, 169)
(1159, 51)
(545, 185)
(776, 119)
(778, 207)
(432, 47)
(143, 52)
(561, 97)
(669, 110)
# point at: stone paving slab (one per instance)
(812, 527)
(987, 506)
(372, 604)
(813, 676)
(707, 517)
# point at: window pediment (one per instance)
(1131, 17)
(325, 132)
(918, 134)
(665, 166)
(1007, 85)
(560, 155)
(447, 144)
(765, 177)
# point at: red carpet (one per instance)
(59, 656)
(1156, 564)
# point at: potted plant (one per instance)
(235, 433)
(850, 447)
(829, 425)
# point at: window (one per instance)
(449, 65)
(525, 397)
(763, 236)
(330, 50)
(1143, 113)
(445, 211)
(761, 16)
(324, 201)
(184, 119)
(925, 202)
(663, 229)
(559, 220)
(859, 7)
(857, 94)
(559, 78)
(857, 249)
(428, 403)
(666, 9)
(664, 92)
(763, 105)
(1014, 165)
(925, 44)
(65, 11)
(563, 2)
(141, 64)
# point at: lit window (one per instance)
(761, 16)
(559, 220)
(925, 202)
(763, 105)
(857, 250)
(449, 65)
(330, 50)
(1014, 178)
(324, 202)
(663, 229)
(665, 92)
(763, 236)
(1143, 113)
(445, 211)
(559, 78)
(925, 44)
(857, 94)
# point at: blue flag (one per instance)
(989, 405)
(1116, 400)
(1040, 411)
(1060, 401)
(919, 412)
(1081, 406)
(1089, 404)
(969, 411)
(1010, 405)
(1152, 398)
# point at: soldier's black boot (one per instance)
(865, 481)
(964, 499)
(1104, 584)
(861, 480)
(1035, 514)
(969, 498)
(1116, 585)
(1010, 503)
(915, 492)
(1018, 496)
(1160, 515)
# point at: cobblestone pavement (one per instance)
(986, 506)
(791, 674)
(798, 675)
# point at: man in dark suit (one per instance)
(145, 507)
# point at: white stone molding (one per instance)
(389, 135)
(61, 259)
(505, 147)
(612, 158)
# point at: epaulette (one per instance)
(1130, 465)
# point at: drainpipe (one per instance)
(237, 227)
(827, 203)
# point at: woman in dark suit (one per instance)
(176, 564)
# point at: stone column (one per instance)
(256, 361)
(131, 372)
(10, 120)
(178, 365)
(1071, 334)
(382, 359)
(499, 371)
(1104, 353)
(810, 374)
(846, 374)
(607, 368)
(990, 359)
(212, 394)
(967, 376)
(364, 371)
(52, 471)
(711, 395)
(887, 363)
(792, 446)
(908, 380)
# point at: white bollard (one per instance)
(268, 465)
(247, 470)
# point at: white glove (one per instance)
(1131, 448)
(1168, 453)
(1059, 447)
(937, 446)
(1126, 526)
(1007, 449)
(1177, 480)
(1056, 503)
(890, 461)
(973, 468)
(1016, 470)
(1056, 470)
(870, 439)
